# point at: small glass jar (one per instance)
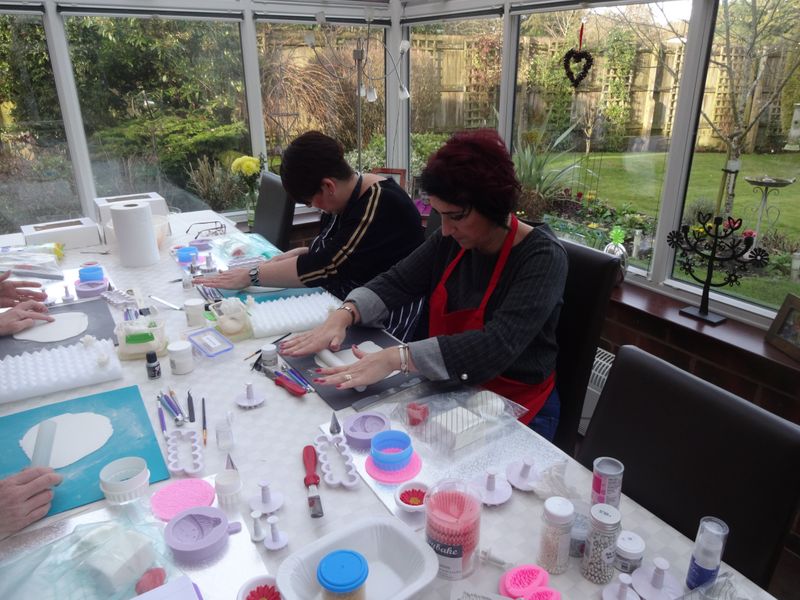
(630, 549)
(557, 519)
(342, 575)
(597, 564)
(578, 535)
(224, 432)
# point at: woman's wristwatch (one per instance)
(254, 276)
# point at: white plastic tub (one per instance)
(401, 564)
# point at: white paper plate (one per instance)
(401, 564)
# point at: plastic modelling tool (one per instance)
(162, 421)
(190, 464)
(285, 382)
(288, 373)
(312, 482)
(268, 501)
(336, 461)
(299, 376)
(171, 409)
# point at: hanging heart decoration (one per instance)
(576, 57)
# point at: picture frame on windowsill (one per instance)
(399, 175)
(784, 333)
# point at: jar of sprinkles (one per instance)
(557, 519)
(597, 564)
(630, 549)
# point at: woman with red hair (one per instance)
(494, 288)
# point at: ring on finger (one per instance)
(348, 377)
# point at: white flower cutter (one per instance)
(336, 461)
(186, 460)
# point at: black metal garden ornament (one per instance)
(713, 245)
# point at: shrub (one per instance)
(216, 184)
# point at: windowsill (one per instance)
(743, 337)
(303, 215)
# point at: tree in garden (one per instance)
(747, 32)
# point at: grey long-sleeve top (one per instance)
(518, 339)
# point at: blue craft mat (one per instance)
(270, 296)
(133, 436)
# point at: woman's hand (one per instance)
(329, 335)
(23, 316)
(14, 292)
(26, 498)
(368, 369)
(232, 279)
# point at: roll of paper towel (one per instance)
(136, 238)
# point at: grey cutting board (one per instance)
(101, 326)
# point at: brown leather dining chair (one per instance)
(692, 449)
(590, 280)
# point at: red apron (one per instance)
(531, 396)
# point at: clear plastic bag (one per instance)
(237, 245)
(451, 421)
(31, 265)
(100, 561)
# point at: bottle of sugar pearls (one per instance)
(597, 564)
(557, 520)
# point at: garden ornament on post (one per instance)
(617, 248)
(713, 244)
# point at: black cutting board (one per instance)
(101, 326)
(339, 399)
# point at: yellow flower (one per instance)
(593, 225)
(246, 166)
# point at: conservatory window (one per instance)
(163, 106)
(36, 177)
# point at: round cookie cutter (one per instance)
(124, 479)
(199, 534)
(391, 450)
(359, 429)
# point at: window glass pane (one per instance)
(36, 180)
(162, 99)
(309, 81)
(591, 157)
(750, 124)
(455, 81)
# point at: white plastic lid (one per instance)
(630, 545)
(558, 510)
(710, 542)
(605, 515)
(179, 348)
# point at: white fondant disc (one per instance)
(65, 326)
(77, 435)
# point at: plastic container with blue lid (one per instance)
(342, 574)
(209, 342)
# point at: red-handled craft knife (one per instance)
(290, 385)
(312, 481)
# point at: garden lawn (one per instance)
(636, 178)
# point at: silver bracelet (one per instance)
(403, 348)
